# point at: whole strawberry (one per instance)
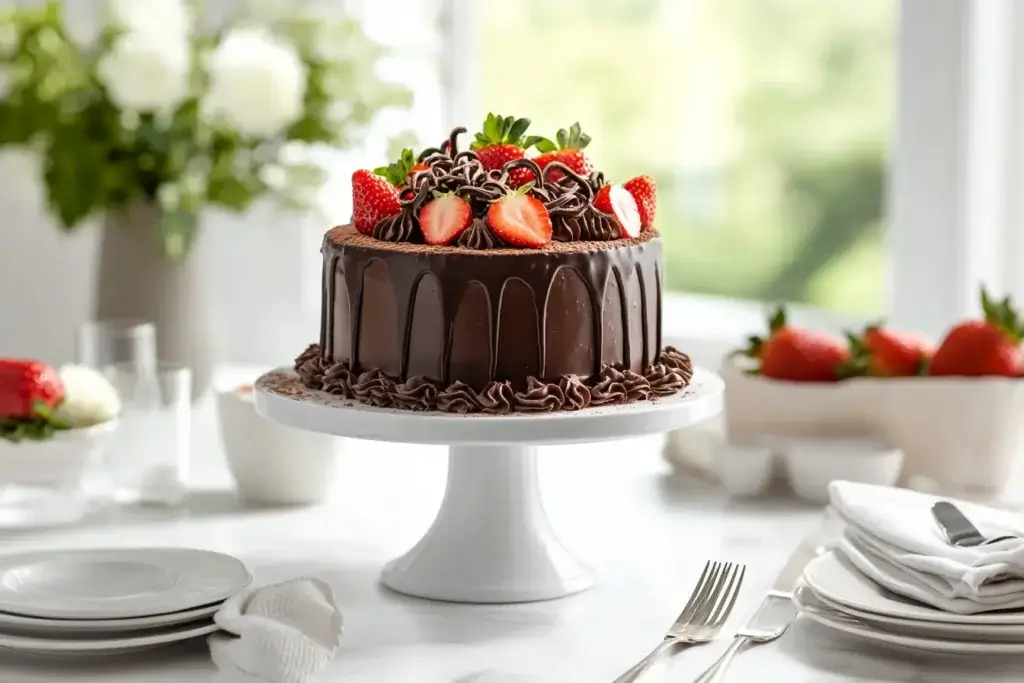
(883, 352)
(797, 355)
(28, 389)
(373, 198)
(978, 348)
(500, 142)
(567, 148)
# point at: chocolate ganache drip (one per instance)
(613, 386)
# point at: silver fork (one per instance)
(705, 612)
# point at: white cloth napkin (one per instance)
(892, 538)
(282, 633)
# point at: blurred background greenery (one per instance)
(764, 122)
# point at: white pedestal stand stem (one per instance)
(491, 541)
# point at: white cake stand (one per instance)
(491, 541)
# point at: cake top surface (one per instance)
(347, 235)
(506, 192)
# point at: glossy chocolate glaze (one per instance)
(459, 314)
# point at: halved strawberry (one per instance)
(602, 200)
(645, 192)
(373, 198)
(624, 208)
(520, 220)
(444, 218)
(500, 142)
(567, 148)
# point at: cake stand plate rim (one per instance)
(318, 411)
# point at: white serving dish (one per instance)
(744, 470)
(273, 464)
(812, 464)
(58, 462)
(960, 434)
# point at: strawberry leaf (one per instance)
(501, 131)
(544, 145)
(777, 319)
(1002, 315)
(38, 428)
(398, 172)
(516, 130)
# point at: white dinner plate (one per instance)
(833, 578)
(62, 628)
(116, 583)
(819, 612)
(105, 646)
(930, 629)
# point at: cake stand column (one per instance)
(491, 541)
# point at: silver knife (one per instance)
(959, 530)
(776, 612)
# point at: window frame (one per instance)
(950, 209)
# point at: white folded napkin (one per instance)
(282, 633)
(892, 538)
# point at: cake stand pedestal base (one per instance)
(491, 541)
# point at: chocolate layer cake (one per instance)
(480, 324)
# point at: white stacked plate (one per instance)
(837, 595)
(112, 601)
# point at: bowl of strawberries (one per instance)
(953, 407)
(51, 423)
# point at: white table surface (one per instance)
(616, 505)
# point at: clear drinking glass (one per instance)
(101, 344)
(147, 461)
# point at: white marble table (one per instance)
(616, 505)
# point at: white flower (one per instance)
(273, 176)
(146, 73)
(257, 83)
(154, 17)
(89, 398)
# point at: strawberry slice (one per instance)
(444, 218)
(625, 210)
(602, 201)
(645, 192)
(520, 220)
(373, 198)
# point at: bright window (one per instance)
(766, 125)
